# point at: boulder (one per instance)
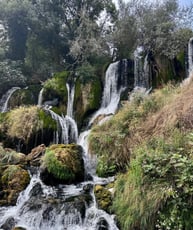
(34, 158)
(103, 197)
(13, 180)
(62, 164)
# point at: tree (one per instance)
(155, 26)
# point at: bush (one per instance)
(156, 193)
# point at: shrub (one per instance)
(156, 193)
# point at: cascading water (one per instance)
(115, 73)
(70, 100)
(41, 207)
(67, 131)
(5, 99)
(190, 56)
(40, 97)
(142, 69)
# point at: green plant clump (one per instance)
(56, 167)
(156, 193)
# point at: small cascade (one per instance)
(67, 131)
(42, 207)
(115, 84)
(141, 69)
(40, 97)
(70, 99)
(5, 99)
(190, 56)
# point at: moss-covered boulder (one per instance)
(103, 197)
(55, 88)
(62, 164)
(26, 96)
(24, 128)
(87, 98)
(14, 179)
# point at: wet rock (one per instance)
(88, 187)
(62, 164)
(36, 190)
(102, 224)
(34, 158)
(9, 224)
(19, 228)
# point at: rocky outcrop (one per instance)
(14, 179)
(34, 158)
(62, 164)
(103, 197)
(24, 128)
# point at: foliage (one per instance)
(22, 123)
(10, 75)
(156, 192)
(64, 162)
(56, 167)
(56, 86)
(156, 26)
(10, 157)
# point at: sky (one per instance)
(181, 2)
(185, 2)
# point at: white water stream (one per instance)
(5, 99)
(42, 207)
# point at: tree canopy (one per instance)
(49, 36)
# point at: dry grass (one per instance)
(176, 113)
(22, 122)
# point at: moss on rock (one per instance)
(29, 126)
(14, 179)
(87, 98)
(103, 197)
(26, 96)
(56, 88)
(63, 164)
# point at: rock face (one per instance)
(62, 164)
(34, 158)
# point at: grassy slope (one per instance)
(150, 140)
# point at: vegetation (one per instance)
(64, 162)
(22, 123)
(156, 192)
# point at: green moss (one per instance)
(47, 121)
(56, 86)
(181, 59)
(14, 179)
(95, 96)
(103, 197)
(64, 162)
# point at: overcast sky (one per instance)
(181, 2)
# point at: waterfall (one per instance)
(190, 56)
(42, 207)
(141, 69)
(5, 99)
(70, 100)
(67, 131)
(40, 97)
(115, 84)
